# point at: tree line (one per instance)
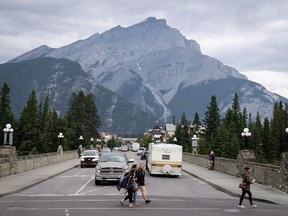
(37, 129)
(223, 134)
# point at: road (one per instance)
(75, 193)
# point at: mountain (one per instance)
(160, 71)
(58, 79)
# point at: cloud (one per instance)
(247, 35)
(273, 81)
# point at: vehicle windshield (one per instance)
(90, 153)
(112, 158)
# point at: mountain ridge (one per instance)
(150, 63)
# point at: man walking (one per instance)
(140, 179)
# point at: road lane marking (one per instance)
(84, 185)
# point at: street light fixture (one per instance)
(194, 141)
(8, 135)
(286, 130)
(60, 136)
(81, 139)
(246, 134)
(175, 140)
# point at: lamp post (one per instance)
(91, 140)
(194, 143)
(60, 136)
(175, 140)
(8, 135)
(81, 139)
(286, 130)
(246, 134)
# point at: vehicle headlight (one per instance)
(82, 159)
(125, 169)
(97, 169)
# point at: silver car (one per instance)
(89, 158)
(111, 167)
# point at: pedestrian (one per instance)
(211, 160)
(248, 180)
(140, 179)
(131, 191)
(79, 152)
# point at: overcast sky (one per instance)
(249, 35)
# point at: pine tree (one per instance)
(5, 108)
(212, 119)
(196, 120)
(82, 116)
(29, 127)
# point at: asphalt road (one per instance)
(75, 193)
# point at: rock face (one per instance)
(157, 69)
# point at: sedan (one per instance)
(89, 158)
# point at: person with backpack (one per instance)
(130, 186)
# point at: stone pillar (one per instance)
(284, 172)
(8, 151)
(9, 154)
(243, 158)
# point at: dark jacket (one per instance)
(140, 176)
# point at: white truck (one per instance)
(164, 159)
(135, 146)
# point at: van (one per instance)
(164, 159)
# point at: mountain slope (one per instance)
(151, 64)
(58, 79)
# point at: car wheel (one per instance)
(97, 182)
(81, 166)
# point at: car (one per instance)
(105, 149)
(144, 155)
(89, 158)
(124, 148)
(140, 150)
(111, 166)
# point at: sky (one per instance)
(250, 36)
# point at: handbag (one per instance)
(135, 186)
(242, 185)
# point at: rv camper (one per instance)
(164, 159)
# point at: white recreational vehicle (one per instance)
(164, 159)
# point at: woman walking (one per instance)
(248, 180)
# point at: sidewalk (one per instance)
(226, 183)
(15, 183)
(229, 184)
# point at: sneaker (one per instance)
(131, 205)
(147, 201)
(118, 187)
(135, 204)
(122, 202)
(253, 206)
(241, 206)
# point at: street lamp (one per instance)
(60, 136)
(246, 134)
(194, 141)
(91, 140)
(286, 130)
(81, 139)
(175, 140)
(8, 135)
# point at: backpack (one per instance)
(123, 181)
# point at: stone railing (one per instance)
(274, 176)
(10, 164)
